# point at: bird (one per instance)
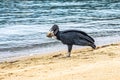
(71, 37)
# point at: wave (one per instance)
(27, 47)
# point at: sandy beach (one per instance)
(102, 63)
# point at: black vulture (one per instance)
(71, 37)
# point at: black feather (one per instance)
(89, 38)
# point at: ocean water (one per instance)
(24, 23)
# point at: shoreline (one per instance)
(103, 63)
(76, 50)
(100, 41)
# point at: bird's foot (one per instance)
(68, 55)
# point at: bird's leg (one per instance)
(69, 50)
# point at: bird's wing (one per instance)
(82, 35)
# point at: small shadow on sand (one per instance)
(57, 55)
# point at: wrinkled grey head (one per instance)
(54, 28)
(53, 31)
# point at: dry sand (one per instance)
(84, 64)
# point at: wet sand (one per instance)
(102, 63)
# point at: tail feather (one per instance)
(93, 46)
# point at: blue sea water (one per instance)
(24, 23)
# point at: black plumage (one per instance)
(71, 37)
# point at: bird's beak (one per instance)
(50, 34)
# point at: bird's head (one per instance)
(53, 31)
